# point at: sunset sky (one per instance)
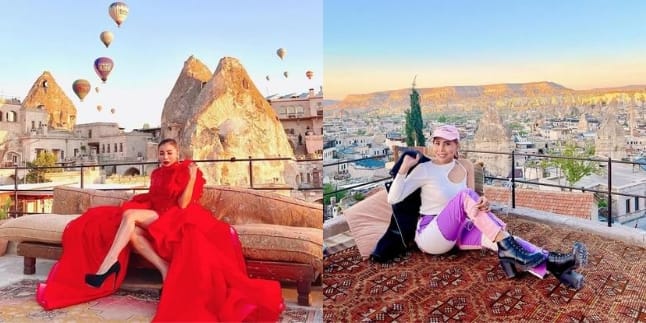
(150, 47)
(373, 46)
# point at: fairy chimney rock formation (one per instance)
(492, 135)
(231, 119)
(179, 103)
(611, 137)
(47, 94)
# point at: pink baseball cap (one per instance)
(447, 132)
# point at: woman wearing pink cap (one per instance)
(452, 214)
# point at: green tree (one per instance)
(358, 196)
(574, 169)
(414, 123)
(5, 205)
(441, 119)
(37, 174)
(329, 188)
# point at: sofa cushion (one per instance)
(46, 228)
(116, 198)
(74, 200)
(71, 200)
(236, 205)
(282, 243)
(368, 220)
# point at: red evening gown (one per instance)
(207, 278)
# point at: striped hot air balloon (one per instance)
(103, 67)
(119, 12)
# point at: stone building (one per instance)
(302, 118)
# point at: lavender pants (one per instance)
(461, 224)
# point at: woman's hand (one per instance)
(408, 163)
(483, 204)
(192, 169)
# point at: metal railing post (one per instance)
(15, 191)
(513, 179)
(609, 192)
(250, 173)
(81, 176)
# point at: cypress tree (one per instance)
(414, 122)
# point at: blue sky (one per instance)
(150, 47)
(373, 46)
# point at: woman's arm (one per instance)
(403, 185)
(468, 166)
(185, 198)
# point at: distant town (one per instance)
(28, 131)
(600, 126)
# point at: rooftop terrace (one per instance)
(136, 301)
(470, 286)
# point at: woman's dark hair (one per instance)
(167, 141)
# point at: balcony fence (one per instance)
(512, 181)
(83, 169)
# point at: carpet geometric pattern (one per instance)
(18, 304)
(470, 286)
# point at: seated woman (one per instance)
(199, 257)
(451, 214)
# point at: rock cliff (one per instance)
(548, 96)
(231, 119)
(179, 104)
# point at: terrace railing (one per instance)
(513, 180)
(83, 169)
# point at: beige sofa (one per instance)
(281, 237)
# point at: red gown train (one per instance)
(207, 278)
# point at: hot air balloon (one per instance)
(267, 77)
(96, 89)
(281, 52)
(106, 38)
(113, 110)
(103, 67)
(309, 74)
(285, 74)
(99, 108)
(119, 12)
(81, 88)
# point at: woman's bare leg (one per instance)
(143, 246)
(130, 218)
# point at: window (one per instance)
(11, 116)
(115, 147)
(120, 147)
(108, 148)
(102, 148)
(636, 203)
(89, 133)
(33, 125)
(627, 206)
(0, 115)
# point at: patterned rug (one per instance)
(18, 304)
(468, 286)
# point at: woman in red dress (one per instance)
(199, 257)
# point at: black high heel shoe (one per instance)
(97, 280)
(562, 265)
(512, 255)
